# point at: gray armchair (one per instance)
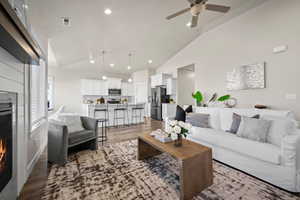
(59, 140)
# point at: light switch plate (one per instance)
(280, 49)
(291, 96)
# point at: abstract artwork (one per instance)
(247, 77)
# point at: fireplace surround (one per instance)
(8, 147)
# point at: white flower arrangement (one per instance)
(175, 128)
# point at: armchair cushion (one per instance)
(79, 137)
(73, 122)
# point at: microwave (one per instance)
(114, 92)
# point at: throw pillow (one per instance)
(254, 129)
(180, 114)
(189, 109)
(236, 121)
(73, 122)
(198, 120)
(280, 127)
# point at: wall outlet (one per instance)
(291, 96)
(280, 49)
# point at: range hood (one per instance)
(15, 38)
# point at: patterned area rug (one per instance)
(113, 173)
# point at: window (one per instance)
(50, 92)
(38, 92)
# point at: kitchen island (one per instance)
(111, 107)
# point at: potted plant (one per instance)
(177, 129)
(198, 97)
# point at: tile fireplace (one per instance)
(8, 147)
(6, 151)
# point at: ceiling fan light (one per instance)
(107, 11)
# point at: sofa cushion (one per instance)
(80, 136)
(180, 114)
(214, 120)
(198, 120)
(254, 129)
(262, 151)
(280, 127)
(236, 121)
(189, 109)
(73, 122)
(226, 115)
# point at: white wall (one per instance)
(248, 39)
(67, 86)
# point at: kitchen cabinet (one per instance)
(171, 86)
(159, 79)
(114, 83)
(127, 89)
(94, 87)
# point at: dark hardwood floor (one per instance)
(37, 180)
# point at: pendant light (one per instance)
(129, 61)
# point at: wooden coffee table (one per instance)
(195, 162)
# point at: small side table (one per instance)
(103, 136)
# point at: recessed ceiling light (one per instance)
(25, 6)
(150, 61)
(104, 77)
(111, 65)
(129, 80)
(92, 61)
(107, 11)
(189, 24)
(129, 67)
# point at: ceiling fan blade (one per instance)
(194, 21)
(217, 8)
(178, 13)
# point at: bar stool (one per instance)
(123, 110)
(103, 135)
(137, 113)
(106, 115)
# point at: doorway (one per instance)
(185, 85)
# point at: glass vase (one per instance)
(178, 141)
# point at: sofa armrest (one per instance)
(290, 151)
(90, 124)
(57, 143)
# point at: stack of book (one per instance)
(161, 136)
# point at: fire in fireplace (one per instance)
(6, 149)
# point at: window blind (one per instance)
(38, 92)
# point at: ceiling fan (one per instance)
(196, 7)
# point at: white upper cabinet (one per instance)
(114, 83)
(94, 87)
(159, 80)
(171, 86)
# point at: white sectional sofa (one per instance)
(278, 165)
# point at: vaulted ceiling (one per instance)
(135, 26)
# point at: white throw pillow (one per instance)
(254, 129)
(73, 122)
(280, 127)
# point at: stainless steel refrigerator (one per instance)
(158, 97)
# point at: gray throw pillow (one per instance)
(236, 121)
(198, 120)
(254, 129)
